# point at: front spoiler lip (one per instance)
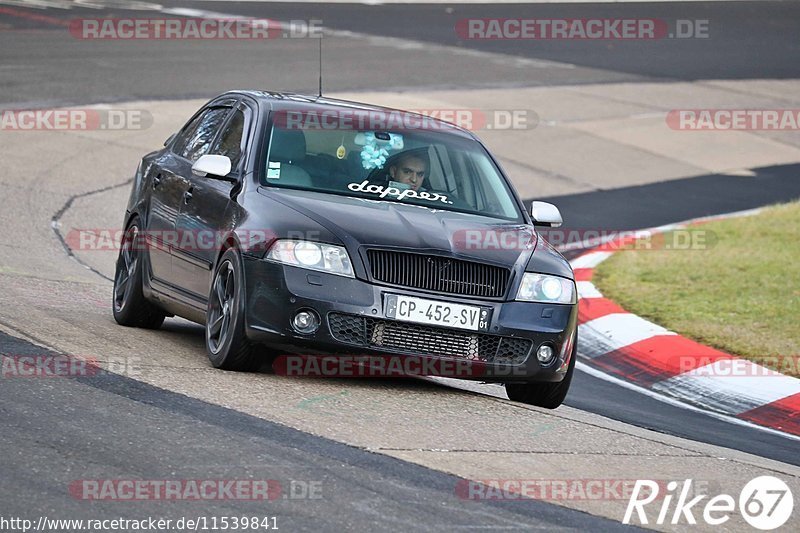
(467, 369)
(275, 292)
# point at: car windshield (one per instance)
(435, 169)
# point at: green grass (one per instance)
(740, 293)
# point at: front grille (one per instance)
(405, 337)
(440, 274)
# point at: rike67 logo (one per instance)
(765, 503)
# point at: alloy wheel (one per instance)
(221, 307)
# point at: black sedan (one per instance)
(289, 224)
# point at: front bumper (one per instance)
(353, 322)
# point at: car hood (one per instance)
(364, 223)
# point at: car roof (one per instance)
(286, 101)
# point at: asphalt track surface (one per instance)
(737, 46)
(113, 423)
(41, 66)
(746, 40)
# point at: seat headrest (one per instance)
(287, 146)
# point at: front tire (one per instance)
(547, 395)
(227, 345)
(130, 306)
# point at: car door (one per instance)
(165, 197)
(205, 209)
(172, 186)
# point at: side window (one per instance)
(230, 141)
(179, 144)
(195, 140)
(498, 199)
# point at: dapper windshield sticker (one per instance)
(383, 192)
(399, 185)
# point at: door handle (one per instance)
(187, 196)
(156, 181)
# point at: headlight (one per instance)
(546, 289)
(308, 253)
(312, 255)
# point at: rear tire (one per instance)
(547, 395)
(130, 306)
(227, 345)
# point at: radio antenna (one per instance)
(320, 67)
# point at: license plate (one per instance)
(437, 313)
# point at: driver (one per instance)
(409, 169)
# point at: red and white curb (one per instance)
(630, 348)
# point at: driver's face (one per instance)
(410, 170)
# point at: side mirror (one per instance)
(545, 214)
(213, 166)
(170, 139)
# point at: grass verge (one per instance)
(736, 288)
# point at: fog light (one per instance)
(305, 322)
(545, 354)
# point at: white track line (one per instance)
(592, 243)
(586, 289)
(590, 260)
(624, 329)
(750, 386)
(583, 367)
